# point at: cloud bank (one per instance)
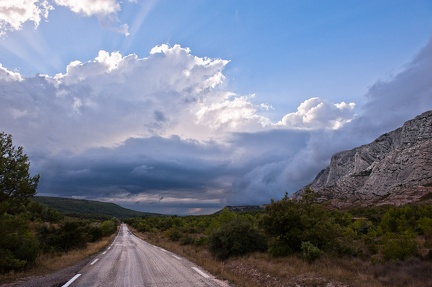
(164, 133)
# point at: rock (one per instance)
(394, 169)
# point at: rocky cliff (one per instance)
(394, 169)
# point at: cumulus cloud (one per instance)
(316, 113)
(91, 7)
(112, 98)
(8, 76)
(105, 101)
(14, 13)
(231, 114)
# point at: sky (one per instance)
(185, 106)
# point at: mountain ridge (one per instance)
(89, 208)
(394, 169)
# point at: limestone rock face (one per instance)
(394, 169)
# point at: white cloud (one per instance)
(316, 113)
(117, 97)
(6, 75)
(231, 114)
(91, 7)
(14, 13)
(105, 101)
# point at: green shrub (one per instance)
(399, 247)
(425, 226)
(174, 234)
(186, 239)
(18, 247)
(279, 249)
(361, 226)
(201, 240)
(236, 237)
(8, 261)
(95, 233)
(290, 222)
(72, 235)
(107, 227)
(310, 252)
(224, 216)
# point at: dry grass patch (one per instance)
(412, 272)
(294, 271)
(48, 263)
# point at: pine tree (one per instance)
(16, 184)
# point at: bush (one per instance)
(95, 233)
(186, 239)
(236, 237)
(71, 234)
(107, 227)
(174, 234)
(310, 252)
(399, 247)
(18, 247)
(201, 240)
(290, 222)
(362, 226)
(9, 262)
(279, 250)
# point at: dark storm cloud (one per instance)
(150, 165)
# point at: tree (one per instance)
(291, 222)
(16, 184)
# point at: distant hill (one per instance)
(89, 208)
(242, 208)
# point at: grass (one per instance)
(260, 269)
(49, 263)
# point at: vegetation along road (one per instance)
(130, 261)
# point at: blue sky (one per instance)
(205, 103)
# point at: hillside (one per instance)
(395, 169)
(89, 208)
(242, 208)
